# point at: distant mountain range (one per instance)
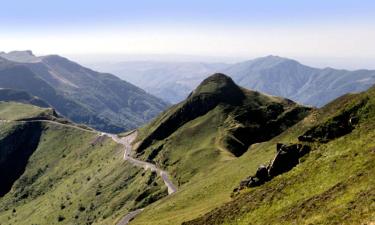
(171, 81)
(100, 100)
(272, 75)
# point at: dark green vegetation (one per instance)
(21, 96)
(54, 173)
(100, 100)
(333, 184)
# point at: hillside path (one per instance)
(127, 143)
(51, 122)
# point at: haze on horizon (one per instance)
(322, 33)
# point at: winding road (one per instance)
(127, 143)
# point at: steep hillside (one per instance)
(303, 195)
(333, 184)
(246, 114)
(213, 127)
(54, 173)
(100, 100)
(7, 94)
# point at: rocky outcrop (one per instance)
(287, 157)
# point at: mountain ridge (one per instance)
(271, 74)
(81, 94)
(219, 115)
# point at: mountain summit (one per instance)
(242, 117)
(218, 86)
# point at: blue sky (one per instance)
(47, 13)
(314, 28)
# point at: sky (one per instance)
(340, 33)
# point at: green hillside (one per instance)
(203, 143)
(218, 122)
(56, 172)
(333, 184)
(52, 173)
(16, 111)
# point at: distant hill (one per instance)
(21, 96)
(290, 79)
(100, 100)
(272, 74)
(171, 81)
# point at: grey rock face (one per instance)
(287, 157)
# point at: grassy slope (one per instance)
(213, 181)
(333, 185)
(202, 143)
(344, 163)
(75, 176)
(198, 161)
(15, 111)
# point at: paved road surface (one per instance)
(51, 121)
(129, 217)
(127, 143)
